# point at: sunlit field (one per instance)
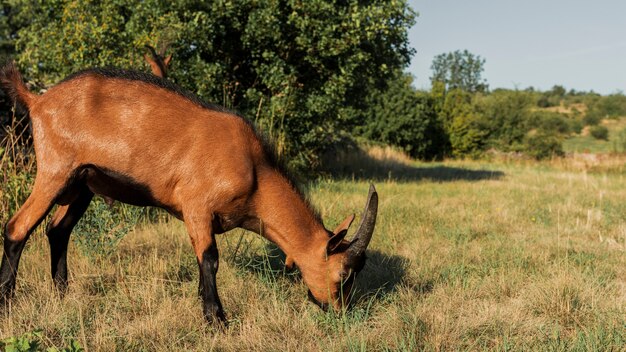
(585, 143)
(466, 255)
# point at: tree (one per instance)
(506, 114)
(463, 124)
(401, 116)
(459, 70)
(299, 68)
(553, 97)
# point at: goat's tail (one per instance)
(12, 82)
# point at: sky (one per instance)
(578, 44)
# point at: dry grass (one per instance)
(466, 255)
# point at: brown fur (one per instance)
(139, 140)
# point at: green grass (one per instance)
(466, 256)
(588, 144)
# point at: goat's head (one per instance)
(331, 284)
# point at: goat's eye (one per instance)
(347, 278)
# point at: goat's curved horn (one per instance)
(366, 227)
(151, 50)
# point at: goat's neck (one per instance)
(286, 219)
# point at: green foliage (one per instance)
(467, 135)
(464, 125)
(27, 342)
(299, 67)
(459, 70)
(402, 117)
(11, 20)
(506, 113)
(599, 132)
(552, 122)
(576, 125)
(591, 119)
(605, 107)
(543, 145)
(17, 173)
(553, 97)
(503, 119)
(103, 226)
(31, 342)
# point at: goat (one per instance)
(141, 140)
(159, 63)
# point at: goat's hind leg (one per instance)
(203, 241)
(58, 232)
(21, 225)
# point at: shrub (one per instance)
(505, 114)
(543, 145)
(402, 117)
(599, 132)
(576, 126)
(31, 342)
(591, 119)
(550, 122)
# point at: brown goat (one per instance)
(159, 63)
(141, 140)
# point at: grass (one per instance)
(467, 255)
(585, 143)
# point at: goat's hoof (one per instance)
(61, 288)
(215, 316)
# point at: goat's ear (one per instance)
(335, 241)
(167, 60)
(150, 60)
(345, 224)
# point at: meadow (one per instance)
(467, 255)
(585, 143)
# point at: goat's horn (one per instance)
(152, 50)
(366, 227)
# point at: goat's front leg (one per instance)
(203, 241)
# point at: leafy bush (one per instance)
(402, 117)
(31, 342)
(505, 114)
(591, 119)
(543, 145)
(551, 122)
(467, 135)
(605, 107)
(599, 132)
(576, 125)
(102, 227)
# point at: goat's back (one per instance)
(154, 135)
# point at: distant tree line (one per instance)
(460, 117)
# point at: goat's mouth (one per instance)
(323, 306)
